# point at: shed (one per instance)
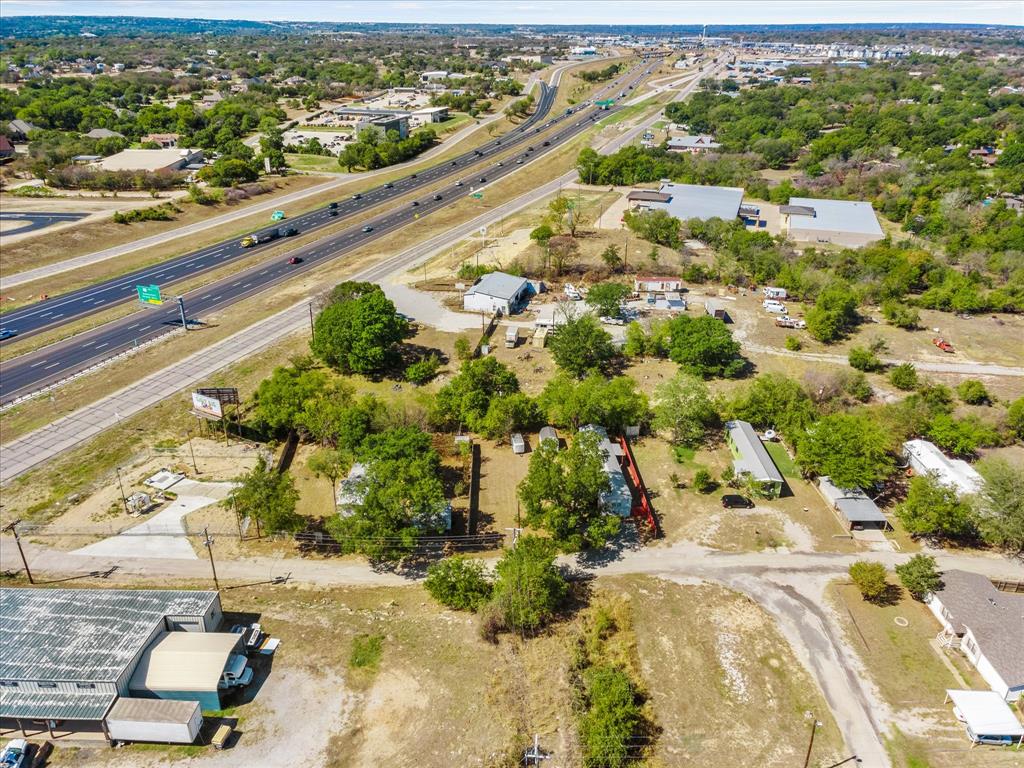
(511, 337)
(159, 720)
(186, 666)
(716, 310)
(518, 444)
(549, 433)
(853, 505)
(987, 717)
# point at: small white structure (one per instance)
(987, 718)
(716, 310)
(926, 459)
(154, 720)
(655, 284)
(518, 444)
(986, 625)
(497, 292)
(511, 337)
(851, 223)
(549, 433)
(771, 292)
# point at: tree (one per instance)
(613, 403)
(904, 376)
(774, 401)
(562, 212)
(459, 582)
(961, 436)
(542, 234)
(919, 576)
(864, 360)
(465, 400)
(281, 398)
(581, 346)
(853, 450)
(973, 392)
(562, 493)
(359, 334)
(869, 576)
(529, 588)
(658, 227)
(332, 464)
(423, 370)
(1015, 417)
(702, 481)
(834, 314)
(612, 258)
(562, 251)
(607, 298)
(509, 413)
(268, 497)
(704, 347)
(683, 407)
(608, 726)
(933, 510)
(463, 348)
(900, 315)
(1000, 505)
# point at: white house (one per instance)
(986, 625)
(926, 459)
(649, 283)
(497, 292)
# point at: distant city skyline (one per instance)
(636, 12)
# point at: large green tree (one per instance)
(562, 493)
(581, 346)
(529, 588)
(613, 403)
(269, 497)
(606, 298)
(853, 450)
(466, 399)
(834, 314)
(704, 347)
(359, 334)
(774, 401)
(683, 407)
(281, 398)
(934, 510)
(1000, 505)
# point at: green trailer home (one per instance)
(751, 461)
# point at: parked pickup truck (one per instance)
(237, 673)
(260, 237)
(789, 322)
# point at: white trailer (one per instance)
(518, 444)
(511, 337)
(158, 720)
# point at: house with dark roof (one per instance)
(18, 130)
(986, 625)
(6, 148)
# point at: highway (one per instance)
(30, 372)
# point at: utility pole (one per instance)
(815, 724)
(208, 543)
(181, 309)
(533, 755)
(192, 453)
(312, 330)
(13, 528)
(121, 486)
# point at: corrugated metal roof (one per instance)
(55, 705)
(87, 635)
(499, 285)
(184, 661)
(754, 457)
(835, 215)
(128, 709)
(852, 503)
(695, 201)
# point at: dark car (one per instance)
(547, 143)
(454, 163)
(290, 232)
(483, 178)
(415, 203)
(332, 206)
(367, 228)
(412, 175)
(6, 333)
(357, 196)
(529, 149)
(735, 501)
(478, 153)
(437, 197)
(389, 185)
(295, 260)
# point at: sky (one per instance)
(551, 12)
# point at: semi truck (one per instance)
(260, 237)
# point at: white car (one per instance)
(612, 320)
(774, 306)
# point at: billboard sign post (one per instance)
(149, 294)
(207, 406)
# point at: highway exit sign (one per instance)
(478, 195)
(149, 294)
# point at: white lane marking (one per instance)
(104, 344)
(52, 365)
(136, 325)
(34, 365)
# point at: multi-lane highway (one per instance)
(472, 170)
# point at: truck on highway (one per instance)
(260, 237)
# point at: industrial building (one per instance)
(751, 459)
(69, 656)
(497, 292)
(694, 145)
(690, 201)
(380, 120)
(850, 223)
(152, 160)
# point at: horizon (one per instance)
(529, 13)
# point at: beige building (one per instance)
(850, 223)
(151, 160)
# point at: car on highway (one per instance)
(519, 161)
(483, 178)
(458, 183)
(389, 185)
(437, 197)
(500, 163)
(367, 228)
(415, 203)
(290, 232)
(529, 149)
(454, 163)
(332, 206)
(735, 501)
(7, 333)
(295, 260)
(357, 196)
(547, 143)
(478, 153)
(412, 175)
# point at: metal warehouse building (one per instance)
(67, 655)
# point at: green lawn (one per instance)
(782, 460)
(320, 163)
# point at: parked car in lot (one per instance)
(735, 501)
(14, 753)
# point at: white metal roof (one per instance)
(836, 215)
(986, 713)
(953, 473)
(695, 201)
(754, 458)
(185, 661)
(852, 503)
(499, 285)
(128, 709)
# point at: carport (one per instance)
(853, 505)
(988, 718)
(186, 666)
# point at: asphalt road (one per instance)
(30, 372)
(38, 220)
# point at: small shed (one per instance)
(511, 337)
(518, 444)
(988, 719)
(540, 338)
(549, 433)
(716, 310)
(853, 505)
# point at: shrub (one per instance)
(793, 344)
(608, 726)
(904, 376)
(899, 314)
(869, 577)
(919, 576)
(366, 652)
(973, 392)
(423, 370)
(458, 582)
(864, 360)
(162, 212)
(702, 481)
(463, 349)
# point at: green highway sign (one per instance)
(149, 294)
(478, 195)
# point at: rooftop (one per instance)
(694, 201)
(852, 503)
(833, 215)
(953, 473)
(996, 619)
(55, 705)
(753, 457)
(184, 661)
(986, 713)
(618, 499)
(87, 635)
(693, 142)
(146, 159)
(499, 285)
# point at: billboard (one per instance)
(149, 294)
(207, 406)
(224, 394)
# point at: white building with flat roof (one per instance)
(851, 223)
(152, 160)
(497, 292)
(690, 201)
